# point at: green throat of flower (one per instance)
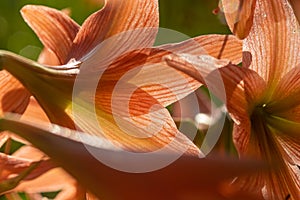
(268, 131)
(261, 131)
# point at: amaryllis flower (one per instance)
(86, 50)
(263, 98)
(72, 48)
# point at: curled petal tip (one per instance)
(29, 8)
(55, 29)
(239, 16)
(25, 8)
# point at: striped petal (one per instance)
(244, 91)
(139, 69)
(34, 111)
(217, 46)
(138, 18)
(288, 136)
(13, 97)
(135, 131)
(273, 42)
(52, 181)
(285, 100)
(266, 143)
(47, 57)
(239, 16)
(55, 29)
(240, 88)
(15, 169)
(235, 84)
(135, 76)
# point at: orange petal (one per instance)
(47, 57)
(53, 27)
(280, 181)
(217, 46)
(244, 90)
(54, 180)
(140, 68)
(240, 86)
(136, 75)
(4, 136)
(286, 95)
(29, 152)
(251, 184)
(288, 136)
(241, 136)
(239, 16)
(130, 99)
(34, 111)
(273, 42)
(136, 131)
(13, 97)
(110, 53)
(290, 145)
(12, 165)
(197, 67)
(105, 181)
(265, 144)
(117, 17)
(50, 181)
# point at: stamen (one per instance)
(264, 105)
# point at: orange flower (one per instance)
(263, 98)
(88, 50)
(73, 48)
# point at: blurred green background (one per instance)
(190, 17)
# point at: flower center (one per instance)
(260, 112)
(262, 132)
(266, 129)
